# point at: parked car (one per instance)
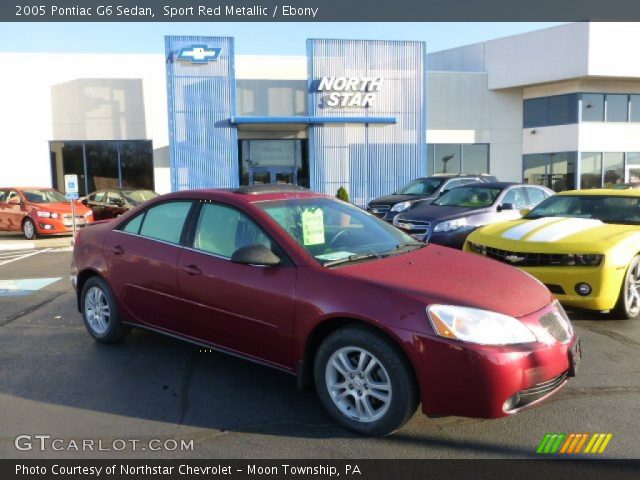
(584, 245)
(425, 190)
(39, 211)
(114, 202)
(319, 288)
(452, 217)
(626, 186)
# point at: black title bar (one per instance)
(317, 10)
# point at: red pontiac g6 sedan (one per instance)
(376, 320)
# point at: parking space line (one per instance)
(26, 255)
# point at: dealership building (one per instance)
(558, 107)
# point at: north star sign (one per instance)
(350, 91)
(199, 54)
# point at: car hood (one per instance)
(59, 207)
(437, 212)
(435, 274)
(393, 199)
(557, 234)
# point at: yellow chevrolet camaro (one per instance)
(583, 245)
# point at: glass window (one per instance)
(633, 167)
(634, 108)
(633, 158)
(592, 107)
(337, 232)
(422, 186)
(562, 109)
(613, 166)
(535, 172)
(563, 171)
(287, 159)
(536, 195)
(590, 170)
(515, 197)
(133, 225)
(13, 197)
(469, 196)
(617, 108)
(165, 221)
(222, 230)
(475, 158)
(446, 158)
(609, 209)
(44, 195)
(136, 164)
(99, 197)
(114, 198)
(102, 165)
(535, 112)
(3, 193)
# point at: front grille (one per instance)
(379, 208)
(556, 327)
(413, 225)
(525, 259)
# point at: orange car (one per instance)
(39, 211)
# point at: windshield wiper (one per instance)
(353, 258)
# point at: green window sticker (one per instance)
(312, 226)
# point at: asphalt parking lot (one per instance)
(55, 380)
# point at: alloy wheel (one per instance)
(632, 289)
(97, 311)
(358, 384)
(29, 229)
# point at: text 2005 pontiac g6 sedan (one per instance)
(375, 320)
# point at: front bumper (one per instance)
(605, 282)
(478, 381)
(50, 226)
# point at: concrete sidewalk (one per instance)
(10, 241)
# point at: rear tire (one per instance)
(100, 312)
(628, 305)
(364, 381)
(29, 229)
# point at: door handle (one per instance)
(191, 270)
(117, 250)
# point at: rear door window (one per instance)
(166, 221)
(516, 197)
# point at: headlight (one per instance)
(450, 225)
(478, 326)
(88, 214)
(590, 260)
(43, 214)
(401, 207)
(477, 248)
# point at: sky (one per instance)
(250, 38)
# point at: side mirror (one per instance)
(255, 254)
(444, 191)
(525, 211)
(506, 206)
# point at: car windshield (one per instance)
(473, 197)
(335, 232)
(44, 196)
(139, 196)
(422, 186)
(609, 209)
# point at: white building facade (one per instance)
(559, 107)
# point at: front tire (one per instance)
(364, 381)
(100, 312)
(628, 305)
(29, 229)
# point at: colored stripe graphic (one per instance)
(573, 443)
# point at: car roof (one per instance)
(255, 193)
(609, 192)
(500, 185)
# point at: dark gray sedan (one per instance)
(451, 218)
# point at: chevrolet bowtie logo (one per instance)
(199, 54)
(514, 258)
